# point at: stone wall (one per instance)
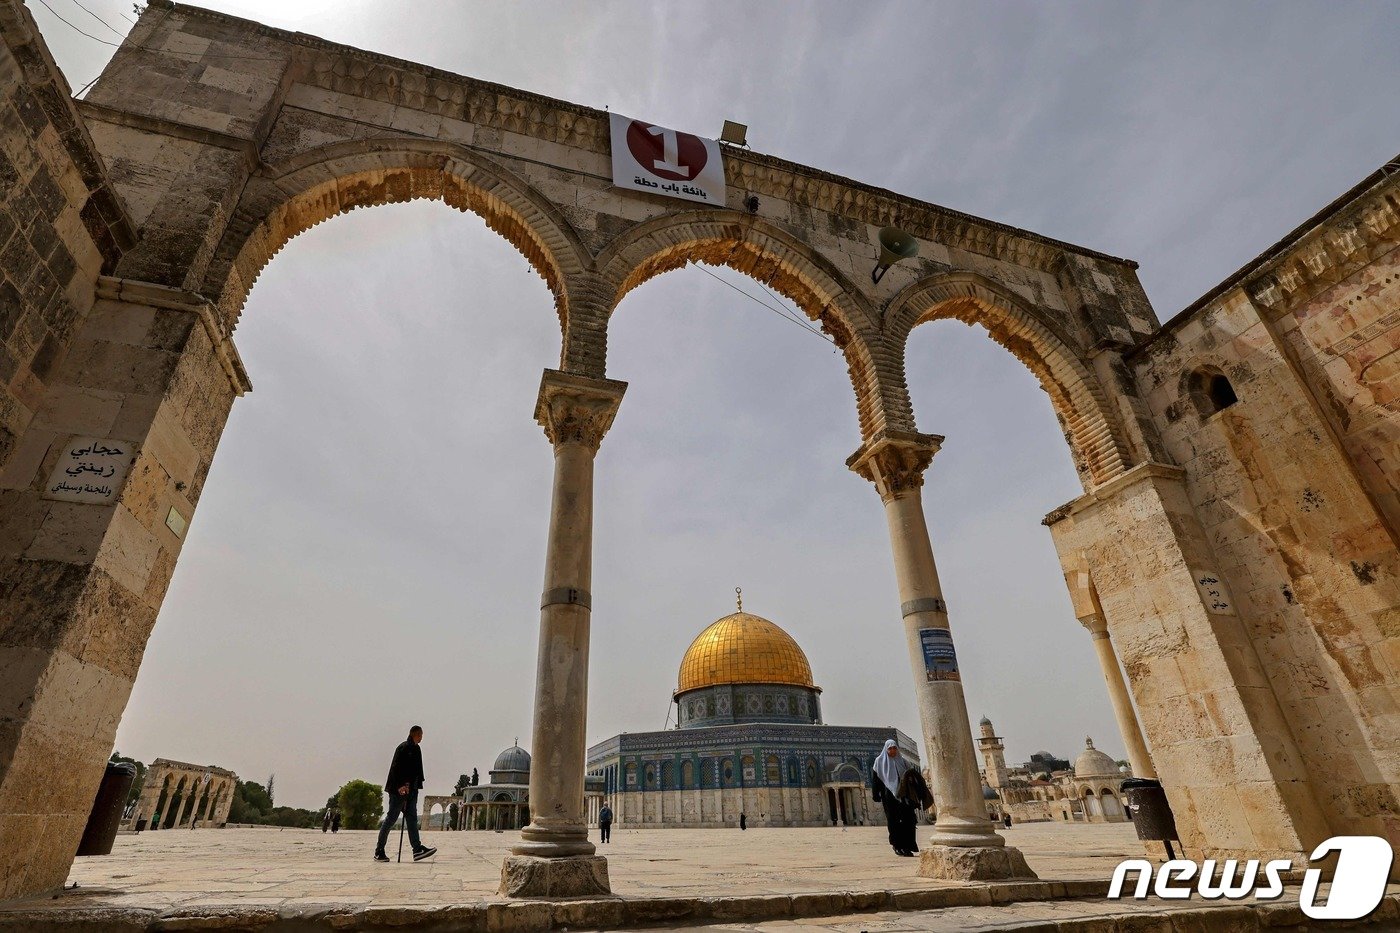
(1295, 487)
(717, 808)
(60, 224)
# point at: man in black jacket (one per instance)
(404, 781)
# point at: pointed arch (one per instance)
(1080, 402)
(780, 261)
(283, 200)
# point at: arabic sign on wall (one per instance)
(1213, 593)
(666, 162)
(90, 470)
(940, 660)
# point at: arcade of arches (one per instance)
(1233, 555)
(177, 795)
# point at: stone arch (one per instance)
(283, 200)
(779, 261)
(1099, 452)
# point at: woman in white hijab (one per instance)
(900, 818)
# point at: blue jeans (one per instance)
(408, 806)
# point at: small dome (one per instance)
(985, 721)
(1092, 762)
(989, 794)
(514, 758)
(743, 648)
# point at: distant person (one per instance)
(743, 821)
(1006, 820)
(326, 820)
(402, 785)
(605, 823)
(889, 768)
(335, 821)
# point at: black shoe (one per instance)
(425, 852)
(380, 857)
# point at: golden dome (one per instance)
(743, 649)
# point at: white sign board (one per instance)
(90, 470)
(666, 162)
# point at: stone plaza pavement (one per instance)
(258, 878)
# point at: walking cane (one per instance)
(403, 822)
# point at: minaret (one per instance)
(993, 756)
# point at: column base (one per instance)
(573, 876)
(974, 863)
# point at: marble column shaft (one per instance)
(896, 465)
(575, 412)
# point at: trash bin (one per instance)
(106, 816)
(1151, 813)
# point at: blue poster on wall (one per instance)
(940, 660)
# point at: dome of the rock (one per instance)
(743, 648)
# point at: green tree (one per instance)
(250, 803)
(361, 805)
(294, 816)
(463, 783)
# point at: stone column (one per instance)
(554, 856)
(206, 805)
(225, 803)
(1090, 614)
(963, 845)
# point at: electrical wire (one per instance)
(193, 56)
(116, 32)
(785, 315)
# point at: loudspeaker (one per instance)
(895, 245)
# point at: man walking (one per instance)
(605, 823)
(404, 781)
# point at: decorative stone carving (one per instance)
(577, 409)
(895, 461)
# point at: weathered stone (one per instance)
(572, 876)
(973, 863)
(1241, 513)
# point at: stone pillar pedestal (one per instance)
(895, 463)
(570, 876)
(973, 863)
(554, 857)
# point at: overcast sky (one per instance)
(369, 548)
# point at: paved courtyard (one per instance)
(760, 880)
(277, 868)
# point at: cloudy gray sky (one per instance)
(334, 587)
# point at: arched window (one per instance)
(773, 770)
(748, 774)
(630, 776)
(728, 773)
(687, 775)
(651, 776)
(1210, 391)
(668, 775)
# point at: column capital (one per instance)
(579, 409)
(895, 460)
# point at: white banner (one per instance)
(666, 162)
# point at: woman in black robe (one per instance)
(900, 817)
